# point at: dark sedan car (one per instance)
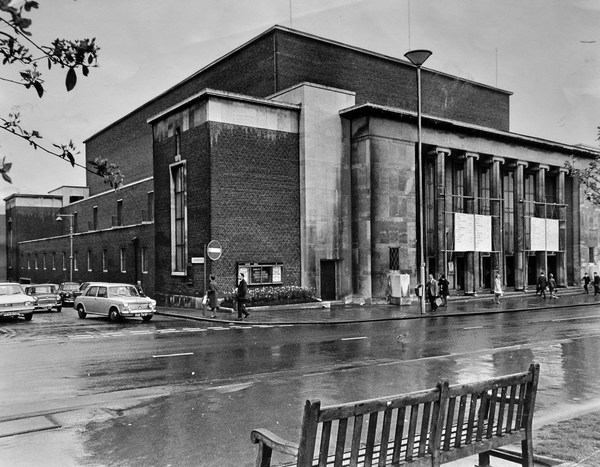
(67, 290)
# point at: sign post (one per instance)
(213, 250)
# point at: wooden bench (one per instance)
(429, 427)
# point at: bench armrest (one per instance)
(274, 442)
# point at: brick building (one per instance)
(298, 155)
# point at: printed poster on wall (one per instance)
(544, 234)
(483, 233)
(552, 235)
(464, 232)
(472, 232)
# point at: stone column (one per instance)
(441, 209)
(471, 263)
(497, 213)
(540, 211)
(519, 224)
(561, 259)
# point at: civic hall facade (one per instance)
(297, 154)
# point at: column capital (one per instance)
(440, 151)
(545, 167)
(474, 155)
(499, 159)
(513, 165)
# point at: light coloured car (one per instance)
(115, 301)
(14, 302)
(46, 295)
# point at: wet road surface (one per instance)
(178, 392)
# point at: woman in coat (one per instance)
(213, 296)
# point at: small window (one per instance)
(64, 261)
(95, 218)
(102, 292)
(44, 261)
(75, 261)
(54, 261)
(28, 261)
(92, 291)
(122, 259)
(144, 259)
(120, 212)
(394, 259)
(591, 255)
(89, 260)
(104, 263)
(35, 259)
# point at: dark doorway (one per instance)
(460, 273)
(328, 283)
(486, 272)
(532, 272)
(509, 261)
(551, 260)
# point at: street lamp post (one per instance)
(59, 219)
(417, 58)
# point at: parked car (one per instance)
(46, 296)
(66, 290)
(14, 302)
(115, 301)
(80, 289)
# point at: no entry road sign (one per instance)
(214, 250)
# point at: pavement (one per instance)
(339, 312)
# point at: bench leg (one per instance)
(484, 459)
(263, 459)
(527, 452)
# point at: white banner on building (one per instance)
(543, 234)
(483, 233)
(464, 232)
(552, 235)
(472, 232)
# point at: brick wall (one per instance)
(110, 240)
(242, 190)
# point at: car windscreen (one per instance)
(10, 289)
(70, 287)
(45, 289)
(123, 291)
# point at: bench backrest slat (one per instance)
(340, 443)
(385, 437)
(324, 449)
(412, 430)
(372, 431)
(460, 421)
(400, 417)
(356, 434)
(503, 400)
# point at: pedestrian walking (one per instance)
(444, 286)
(542, 284)
(596, 284)
(498, 292)
(552, 286)
(432, 292)
(213, 296)
(242, 291)
(585, 280)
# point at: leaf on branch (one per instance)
(110, 172)
(4, 168)
(71, 79)
(39, 88)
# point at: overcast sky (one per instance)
(547, 52)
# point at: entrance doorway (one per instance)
(328, 282)
(486, 272)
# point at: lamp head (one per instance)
(418, 57)
(59, 219)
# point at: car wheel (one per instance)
(82, 314)
(114, 315)
(28, 316)
(146, 318)
(58, 309)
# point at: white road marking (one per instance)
(173, 355)
(474, 327)
(354, 338)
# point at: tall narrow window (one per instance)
(458, 184)
(144, 259)
(28, 260)
(150, 207)
(54, 261)
(123, 259)
(64, 261)
(95, 218)
(178, 141)
(75, 268)
(509, 206)
(35, 259)
(89, 260)
(104, 262)
(120, 212)
(75, 224)
(44, 261)
(178, 219)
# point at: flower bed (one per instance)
(264, 296)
